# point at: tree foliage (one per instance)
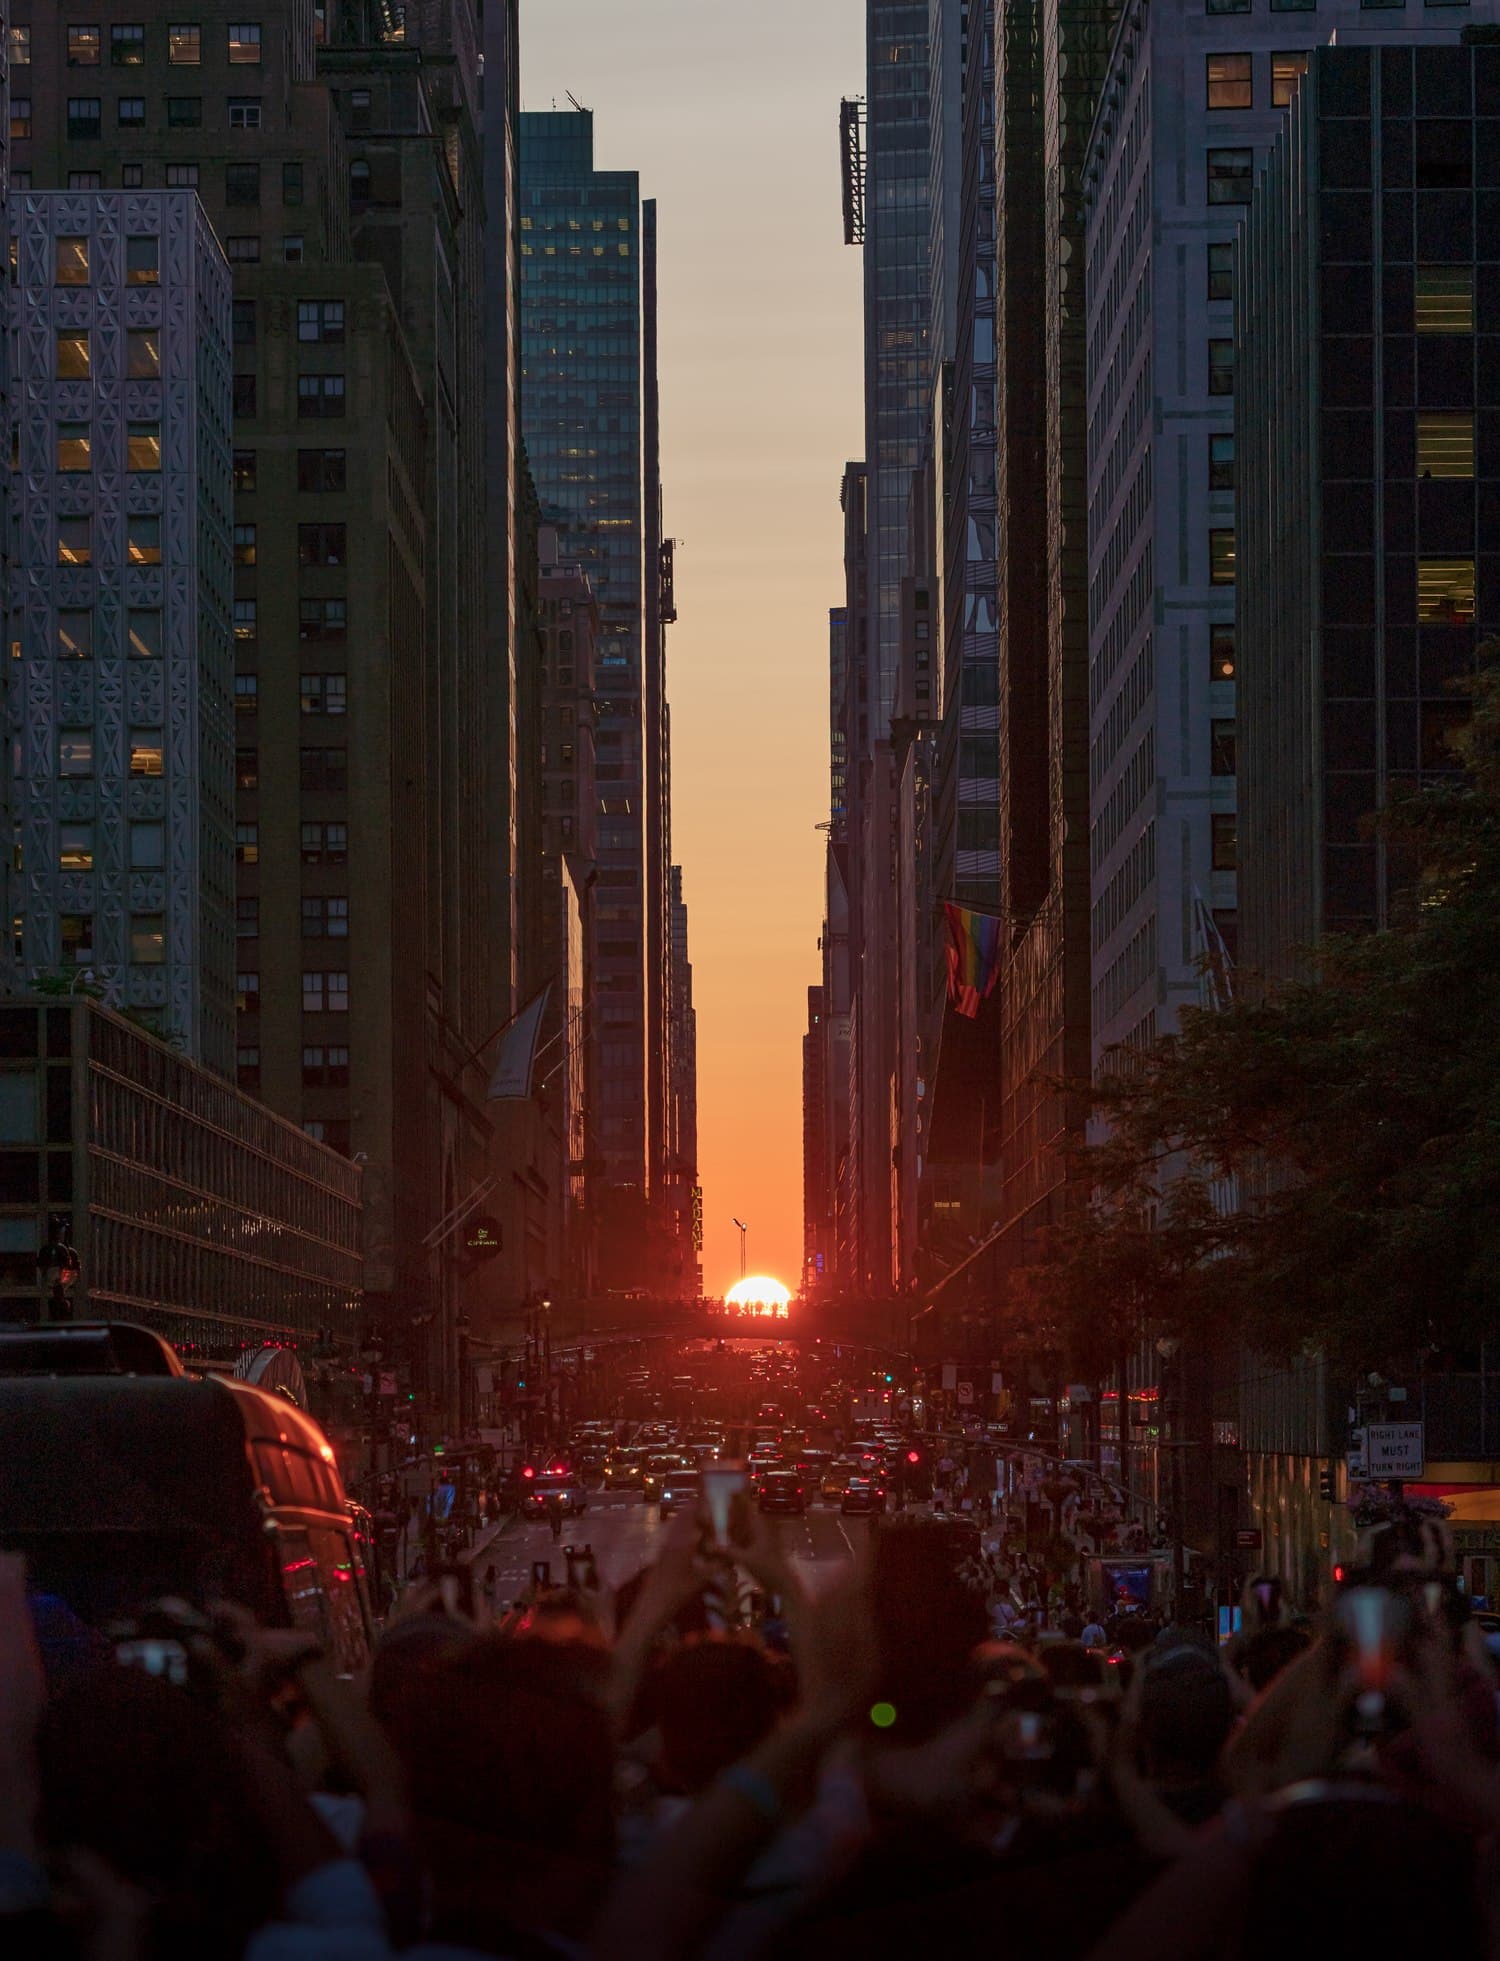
(1319, 1166)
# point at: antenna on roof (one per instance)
(575, 102)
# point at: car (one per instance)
(863, 1495)
(624, 1470)
(659, 1467)
(682, 1488)
(541, 1490)
(837, 1475)
(782, 1491)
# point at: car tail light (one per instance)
(529, 1472)
(559, 1470)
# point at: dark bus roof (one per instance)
(151, 1454)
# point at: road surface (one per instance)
(625, 1532)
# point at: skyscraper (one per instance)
(119, 604)
(588, 410)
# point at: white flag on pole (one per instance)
(513, 1063)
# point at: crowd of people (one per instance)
(864, 1769)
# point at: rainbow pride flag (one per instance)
(973, 957)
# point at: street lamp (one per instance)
(744, 1229)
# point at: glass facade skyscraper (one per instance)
(582, 413)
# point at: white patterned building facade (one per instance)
(119, 600)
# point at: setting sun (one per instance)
(759, 1294)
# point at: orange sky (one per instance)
(730, 113)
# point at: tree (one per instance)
(1350, 1119)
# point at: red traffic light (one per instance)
(914, 1457)
(529, 1471)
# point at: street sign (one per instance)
(482, 1237)
(1354, 1457)
(1249, 1538)
(965, 1393)
(1395, 1450)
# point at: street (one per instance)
(625, 1533)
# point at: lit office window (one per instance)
(1229, 81)
(148, 939)
(1221, 557)
(1445, 445)
(1287, 71)
(75, 847)
(1445, 300)
(1445, 591)
(147, 756)
(143, 632)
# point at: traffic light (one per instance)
(1328, 1485)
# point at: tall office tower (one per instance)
(361, 922)
(119, 599)
(817, 1200)
(685, 1269)
(1366, 572)
(584, 411)
(1048, 63)
(14, 48)
(968, 815)
(1212, 88)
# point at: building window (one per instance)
(74, 450)
(143, 446)
(325, 770)
(127, 45)
(78, 180)
(325, 1068)
(75, 633)
(243, 398)
(247, 844)
(1230, 176)
(1221, 748)
(75, 847)
(325, 844)
(72, 354)
(247, 992)
(1221, 367)
(1221, 462)
(143, 632)
(242, 183)
(325, 993)
(325, 918)
(1229, 80)
(1445, 445)
(182, 177)
(1287, 70)
(71, 262)
(85, 118)
(324, 694)
(320, 544)
(75, 540)
(20, 117)
(143, 354)
(244, 470)
(359, 184)
(148, 846)
(130, 112)
(20, 46)
(246, 693)
(1294, 6)
(1225, 840)
(184, 112)
(247, 1069)
(320, 469)
(291, 183)
(244, 323)
(323, 619)
(320, 395)
(244, 42)
(1221, 557)
(320, 320)
(246, 769)
(184, 44)
(75, 752)
(83, 47)
(244, 112)
(75, 932)
(243, 249)
(131, 176)
(143, 539)
(247, 917)
(148, 939)
(147, 757)
(1445, 300)
(291, 249)
(1445, 591)
(244, 544)
(142, 261)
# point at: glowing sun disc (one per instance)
(758, 1290)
